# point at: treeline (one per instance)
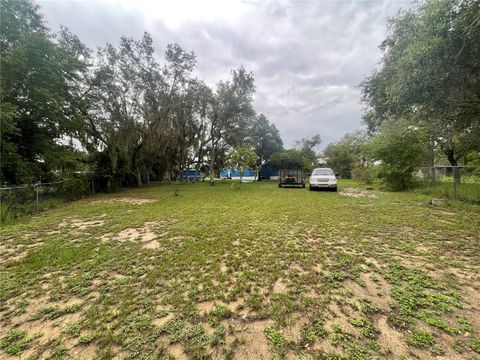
(117, 114)
(423, 103)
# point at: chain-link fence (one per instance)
(451, 182)
(16, 201)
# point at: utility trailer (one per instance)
(290, 177)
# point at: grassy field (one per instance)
(257, 273)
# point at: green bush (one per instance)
(365, 174)
(75, 187)
(399, 150)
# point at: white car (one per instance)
(323, 178)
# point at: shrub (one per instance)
(399, 150)
(364, 173)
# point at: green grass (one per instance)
(466, 191)
(14, 342)
(421, 338)
(212, 272)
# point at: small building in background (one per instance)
(192, 175)
(227, 173)
(266, 173)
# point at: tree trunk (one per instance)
(139, 177)
(453, 162)
(432, 149)
(147, 177)
(212, 163)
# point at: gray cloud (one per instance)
(307, 56)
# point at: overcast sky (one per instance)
(308, 57)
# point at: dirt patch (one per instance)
(293, 330)
(376, 291)
(84, 352)
(154, 244)
(147, 235)
(132, 234)
(391, 339)
(336, 317)
(163, 320)
(44, 329)
(177, 352)
(356, 193)
(279, 287)
(78, 224)
(473, 304)
(206, 306)
(14, 254)
(326, 347)
(254, 344)
(126, 200)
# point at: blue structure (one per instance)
(265, 173)
(192, 175)
(227, 173)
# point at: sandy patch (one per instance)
(206, 306)
(338, 318)
(78, 224)
(238, 307)
(391, 339)
(376, 291)
(126, 200)
(177, 352)
(88, 352)
(43, 329)
(356, 193)
(279, 287)
(163, 320)
(293, 330)
(147, 235)
(254, 344)
(154, 244)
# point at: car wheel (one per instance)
(310, 188)
(335, 189)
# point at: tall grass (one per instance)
(12, 211)
(466, 191)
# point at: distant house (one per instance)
(321, 159)
(227, 173)
(192, 175)
(266, 173)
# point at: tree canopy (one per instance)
(343, 155)
(41, 94)
(118, 113)
(430, 75)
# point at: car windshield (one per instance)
(322, 172)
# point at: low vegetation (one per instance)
(257, 273)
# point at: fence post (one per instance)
(456, 178)
(36, 195)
